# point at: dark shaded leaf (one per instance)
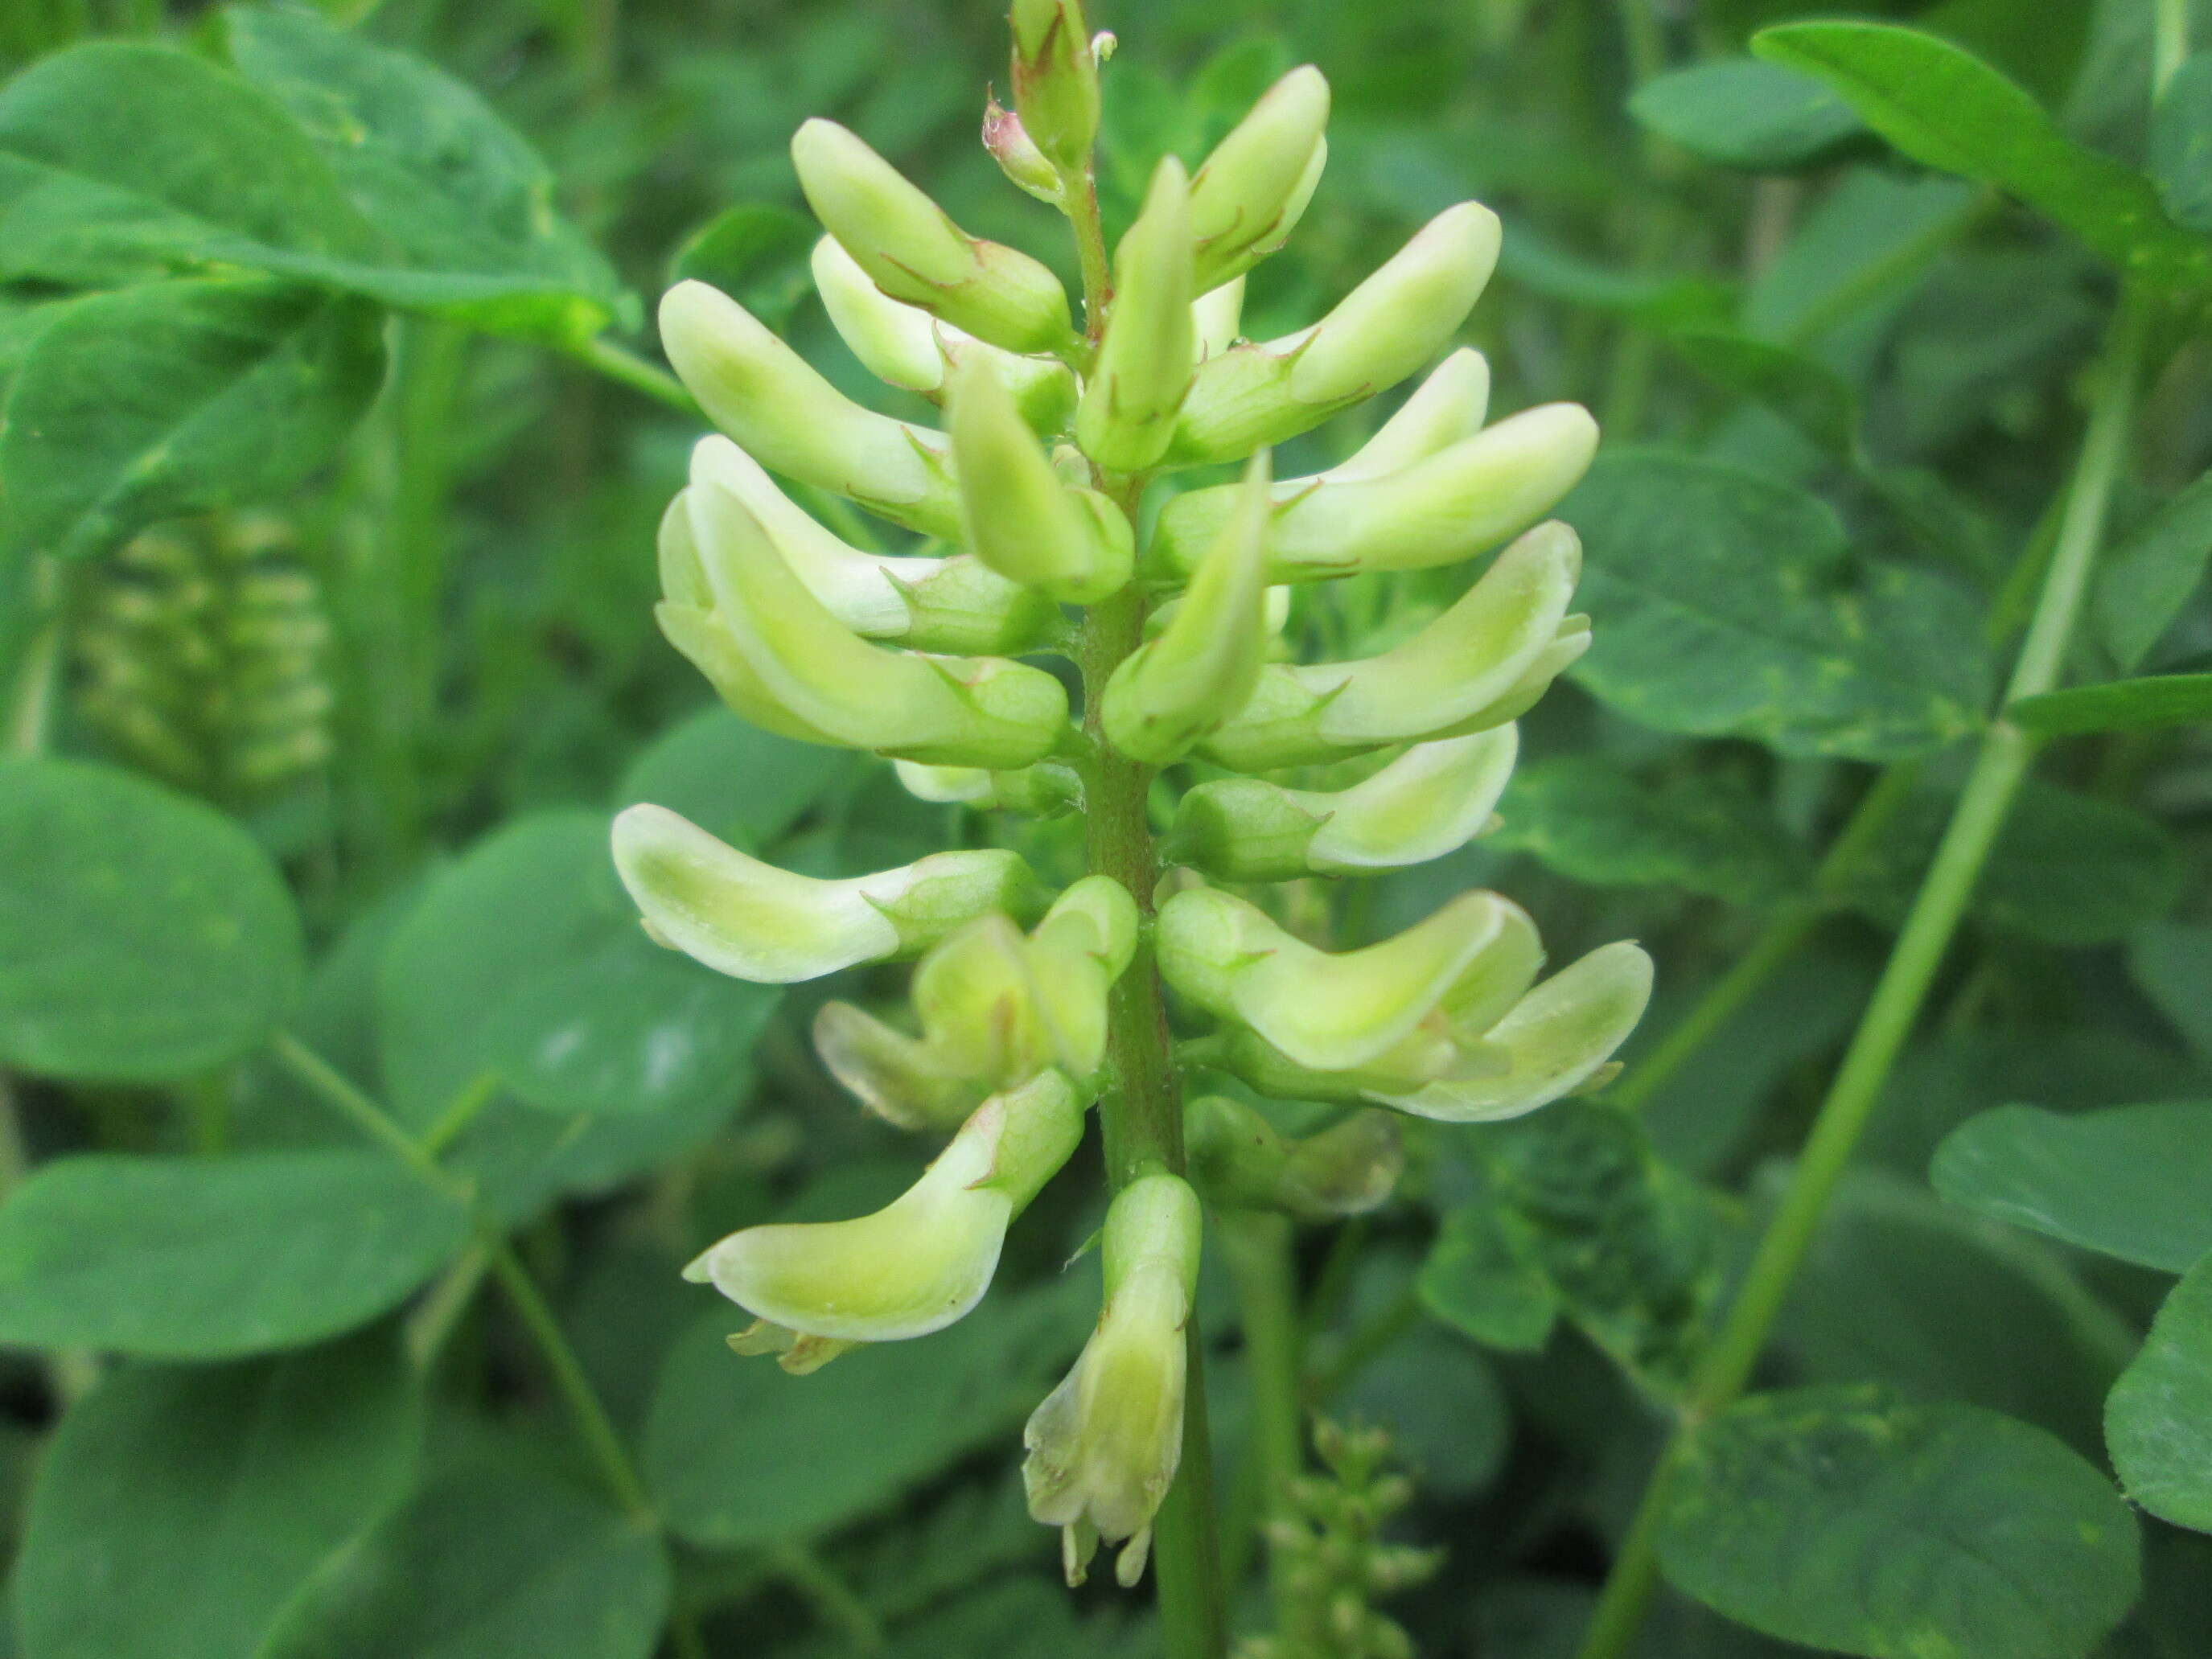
(2142, 584)
(180, 1509)
(490, 1560)
(1723, 604)
(1851, 1523)
(2181, 144)
(1583, 816)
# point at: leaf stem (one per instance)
(619, 363)
(2002, 762)
(594, 1426)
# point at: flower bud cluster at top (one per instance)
(1029, 1006)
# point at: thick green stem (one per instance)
(1140, 1113)
(1257, 1248)
(1999, 767)
(1140, 1117)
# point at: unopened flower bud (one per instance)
(1082, 946)
(1215, 318)
(913, 252)
(1447, 406)
(1331, 1011)
(1171, 691)
(1071, 545)
(1254, 395)
(1104, 1445)
(1482, 663)
(1550, 1043)
(1055, 81)
(1431, 800)
(952, 605)
(1452, 505)
(1042, 791)
(960, 711)
(903, 345)
(1129, 403)
(752, 921)
(895, 343)
(1241, 1160)
(764, 394)
(1249, 195)
(1025, 166)
(686, 618)
(926, 1260)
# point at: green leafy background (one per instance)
(1829, 276)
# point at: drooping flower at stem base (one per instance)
(1105, 1446)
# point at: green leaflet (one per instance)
(357, 168)
(1740, 112)
(1860, 244)
(285, 1461)
(208, 1258)
(2129, 1181)
(1723, 604)
(756, 254)
(2070, 869)
(173, 398)
(465, 205)
(1903, 1290)
(2143, 583)
(143, 937)
(2158, 1420)
(1946, 108)
(494, 1558)
(1577, 1217)
(1586, 817)
(2181, 144)
(2172, 962)
(745, 786)
(1847, 1521)
(738, 1453)
(2159, 700)
(524, 962)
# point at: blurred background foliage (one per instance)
(1829, 380)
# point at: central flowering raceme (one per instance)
(1028, 1005)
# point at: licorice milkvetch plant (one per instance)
(1033, 1006)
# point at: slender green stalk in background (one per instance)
(595, 1426)
(2001, 765)
(1256, 1246)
